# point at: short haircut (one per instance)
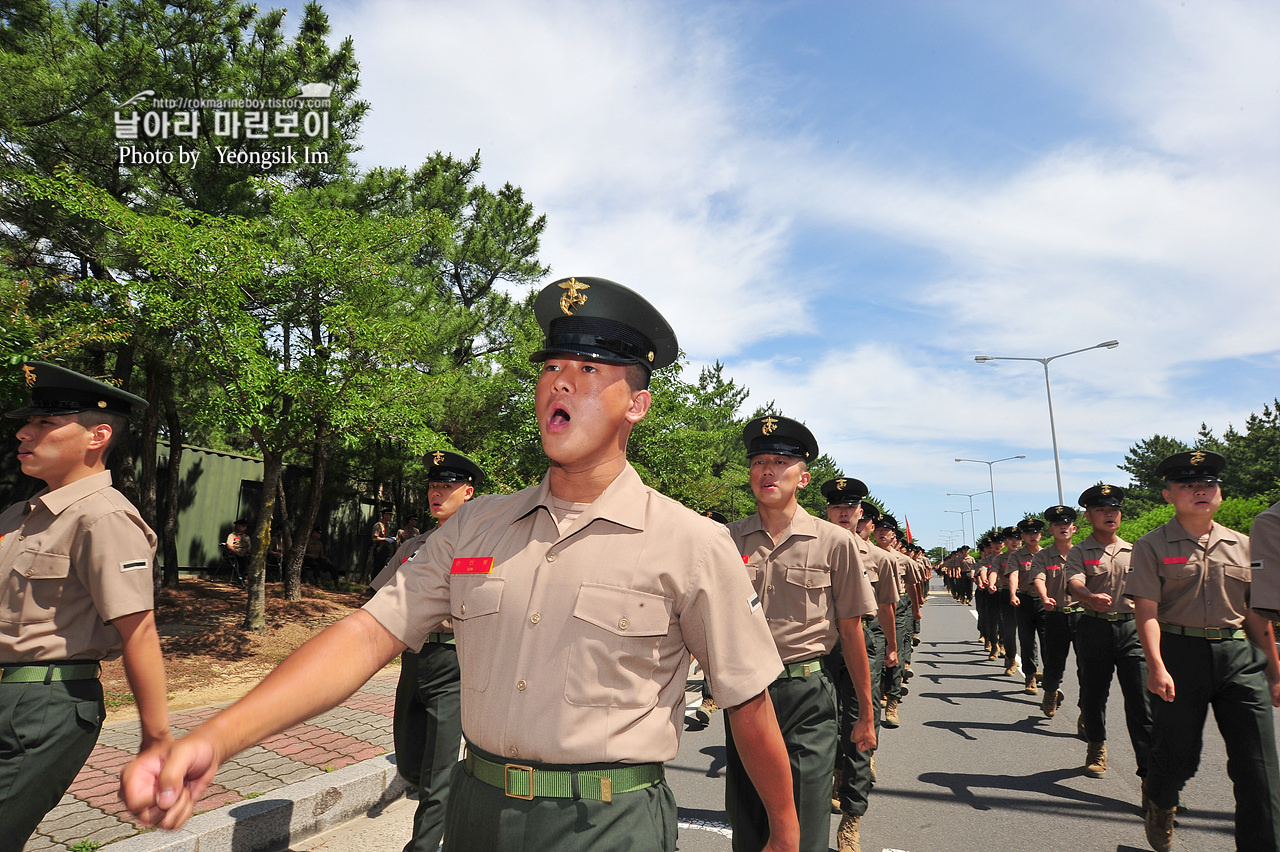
(118, 422)
(637, 377)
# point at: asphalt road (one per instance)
(975, 766)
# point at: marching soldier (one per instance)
(1030, 612)
(427, 726)
(810, 582)
(1061, 611)
(575, 602)
(1004, 566)
(1264, 540)
(885, 536)
(1190, 587)
(1106, 636)
(853, 776)
(75, 589)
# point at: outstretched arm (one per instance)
(161, 787)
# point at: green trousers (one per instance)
(1059, 636)
(1230, 676)
(1104, 649)
(46, 734)
(428, 730)
(855, 765)
(806, 710)
(482, 818)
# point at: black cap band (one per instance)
(599, 338)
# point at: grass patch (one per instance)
(86, 846)
(113, 700)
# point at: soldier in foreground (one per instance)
(1204, 646)
(1106, 635)
(75, 589)
(575, 602)
(809, 582)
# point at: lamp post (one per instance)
(962, 513)
(995, 521)
(971, 509)
(1053, 432)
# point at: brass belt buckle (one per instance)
(506, 780)
(1213, 633)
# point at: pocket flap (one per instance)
(809, 578)
(625, 612)
(482, 598)
(43, 566)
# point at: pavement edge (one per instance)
(279, 818)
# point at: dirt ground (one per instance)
(208, 659)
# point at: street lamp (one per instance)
(1057, 465)
(972, 522)
(971, 509)
(990, 464)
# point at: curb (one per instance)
(277, 819)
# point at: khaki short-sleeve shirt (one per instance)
(1004, 565)
(574, 646)
(1104, 570)
(71, 561)
(1194, 584)
(880, 571)
(1048, 563)
(1264, 543)
(807, 582)
(1021, 561)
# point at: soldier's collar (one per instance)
(1216, 534)
(58, 501)
(802, 524)
(623, 502)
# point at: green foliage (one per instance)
(85, 845)
(1143, 491)
(1237, 513)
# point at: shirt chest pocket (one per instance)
(613, 658)
(813, 587)
(34, 586)
(474, 604)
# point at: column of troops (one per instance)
(1183, 619)
(552, 629)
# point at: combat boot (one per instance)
(1031, 687)
(1011, 670)
(891, 714)
(835, 790)
(703, 713)
(847, 837)
(1051, 702)
(991, 654)
(1159, 825)
(1095, 761)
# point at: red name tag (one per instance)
(1093, 562)
(745, 559)
(1175, 560)
(472, 565)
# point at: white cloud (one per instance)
(641, 130)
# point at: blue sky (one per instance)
(845, 202)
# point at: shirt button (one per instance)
(768, 588)
(808, 583)
(535, 618)
(520, 685)
(463, 609)
(551, 557)
(514, 752)
(622, 625)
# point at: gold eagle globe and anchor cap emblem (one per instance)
(600, 320)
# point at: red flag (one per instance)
(910, 537)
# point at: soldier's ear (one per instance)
(640, 402)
